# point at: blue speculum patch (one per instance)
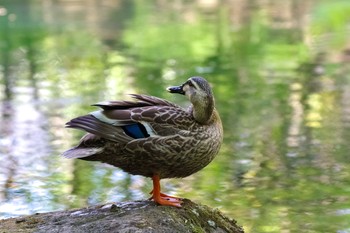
(136, 130)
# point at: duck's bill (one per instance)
(176, 89)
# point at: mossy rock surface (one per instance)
(125, 217)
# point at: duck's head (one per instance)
(199, 92)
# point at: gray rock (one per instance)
(125, 217)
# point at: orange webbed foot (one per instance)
(161, 198)
(164, 195)
(164, 199)
(167, 201)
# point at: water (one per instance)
(280, 75)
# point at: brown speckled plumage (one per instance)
(177, 142)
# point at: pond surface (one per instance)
(281, 78)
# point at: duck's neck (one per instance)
(202, 111)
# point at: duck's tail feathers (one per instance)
(94, 126)
(78, 153)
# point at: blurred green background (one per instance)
(280, 71)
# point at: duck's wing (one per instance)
(147, 109)
(141, 101)
(123, 121)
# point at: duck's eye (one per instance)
(191, 84)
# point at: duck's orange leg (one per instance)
(162, 198)
(165, 195)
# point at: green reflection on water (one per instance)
(284, 102)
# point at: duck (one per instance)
(153, 137)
